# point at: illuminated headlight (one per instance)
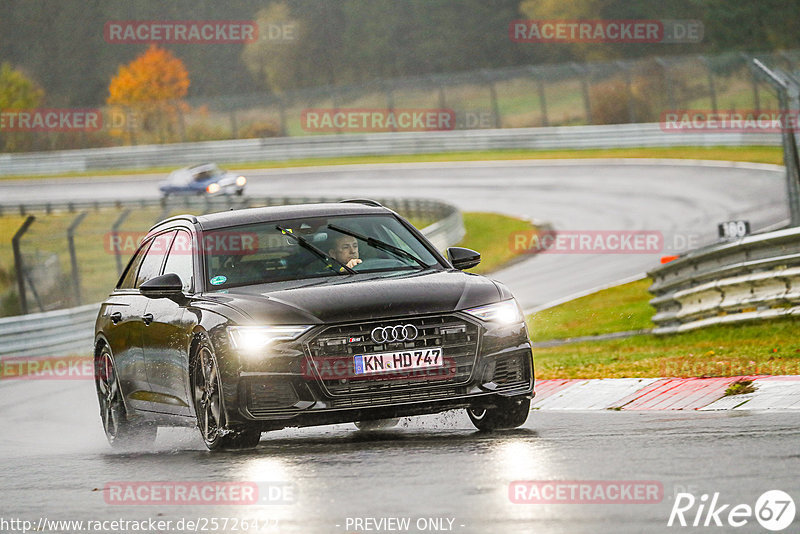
(506, 312)
(212, 188)
(240, 181)
(252, 338)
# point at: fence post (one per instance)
(668, 79)
(583, 73)
(493, 96)
(753, 81)
(73, 258)
(788, 90)
(389, 99)
(542, 100)
(711, 87)
(19, 267)
(282, 111)
(115, 237)
(234, 125)
(626, 69)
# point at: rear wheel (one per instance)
(510, 412)
(121, 432)
(206, 388)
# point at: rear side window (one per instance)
(129, 279)
(179, 260)
(154, 259)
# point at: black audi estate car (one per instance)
(246, 321)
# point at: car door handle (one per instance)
(115, 317)
(147, 318)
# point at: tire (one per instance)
(377, 424)
(206, 387)
(121, 432)
(509, 413)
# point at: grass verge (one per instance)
(482, 230)
(756, 154)
(756, 348)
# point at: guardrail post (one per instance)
(73, 258)
(19, 267)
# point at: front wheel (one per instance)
(207, 396)
(121, 432)
(510, 412)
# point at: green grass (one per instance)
(756, 154)
(769, 347)
(488, 233)
(740, 387)
(617, 309)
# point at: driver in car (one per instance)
(344, 249)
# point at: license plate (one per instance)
(403, 360)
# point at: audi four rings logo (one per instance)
(401, 332)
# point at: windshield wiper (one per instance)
(317, 252)
(377, 243)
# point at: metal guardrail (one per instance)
(71, 331)
(321, 146)
(756, 277)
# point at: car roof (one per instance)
(225, 219)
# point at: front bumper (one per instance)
(287, 387)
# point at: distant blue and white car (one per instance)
(206, 179)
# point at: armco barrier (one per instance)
(322, 146)
(756, 277)
(70, 332)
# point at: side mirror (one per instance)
(463, 258)
(165, 285)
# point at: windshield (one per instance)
(314, 247)
(207, 173)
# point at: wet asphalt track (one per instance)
(54, 462)
(682, 200)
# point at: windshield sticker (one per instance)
(219, 280)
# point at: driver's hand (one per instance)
(352, 263)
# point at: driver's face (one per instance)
(345, 249)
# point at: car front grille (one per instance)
(332, 352)
(394, 397)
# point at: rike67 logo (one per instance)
(774, 510)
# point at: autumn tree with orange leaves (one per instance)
(150, 90)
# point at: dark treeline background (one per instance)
(60, 44)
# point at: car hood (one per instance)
(371, 296)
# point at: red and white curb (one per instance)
(771, 393)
